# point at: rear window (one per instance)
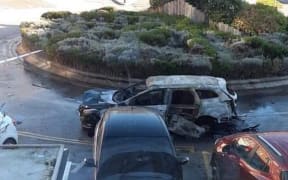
(206, 94)
(284, 175)
(116, 145)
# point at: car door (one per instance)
(232, 162)
(184, 102)
(155, 99)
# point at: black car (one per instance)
(134, 143)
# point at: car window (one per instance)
(115, 145)
(244, 147)
(206, 94)
(155, 97)
(183, 97)
(260, 160)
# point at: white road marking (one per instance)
(17, 57)
(206, 158)
(51, 138)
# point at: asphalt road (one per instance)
(48, 107)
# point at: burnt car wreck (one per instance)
(190, 105)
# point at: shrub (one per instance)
(56, 14)
(132, 19)
(156, 3)
(255, 19)
(141, 26)
(108, 9)
(227, 36)
(268, 49)
(158, 37)
(107, 16)
(209, 50)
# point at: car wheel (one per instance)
(10, 141)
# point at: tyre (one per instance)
(10, 141)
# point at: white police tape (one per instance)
(17, 57)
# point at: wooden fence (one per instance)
(181, 7)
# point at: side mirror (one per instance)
(183, 160)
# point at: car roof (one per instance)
(277, 143)
(133, 122)
(184, 81)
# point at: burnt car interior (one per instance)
(183, 103)
(125, 93)
(154, 97)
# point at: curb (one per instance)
(40, 64)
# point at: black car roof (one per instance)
(133, 122)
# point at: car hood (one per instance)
(98, 96)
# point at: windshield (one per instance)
(141, 164)
(125, 93)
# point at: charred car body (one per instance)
(190, 105)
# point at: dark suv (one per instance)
(134, 143)
(251, 156)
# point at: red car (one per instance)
(251, 156)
